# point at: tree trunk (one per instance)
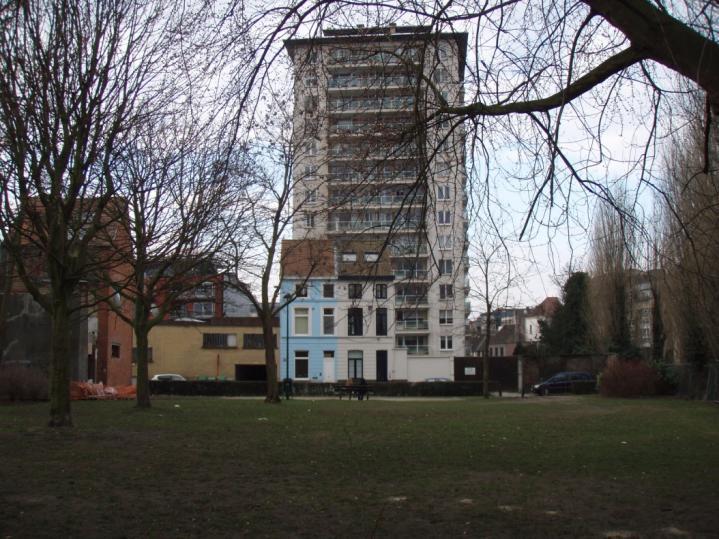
(60, 415)
(273, 390)
(485, 359)
(142, 382)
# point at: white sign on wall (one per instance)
(470, 371)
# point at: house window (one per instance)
(371, 257)
(328, 321)
(445, 266)
(302, 321)
(256, 341)
(443, 192)
(115, 350)
(446, 316)
(380, 291)
(445, 342)
(354, 322)
(354, 291)
(203, 309)
(328, 290)
(219, 340)
(309, 220)
(354, 364)
(444, 217)
(302, 364)
(445, 291)
(300, 291)
(381, 315)
(349, 257)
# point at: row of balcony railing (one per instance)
(385, 128)
(376, 200)
(397, 56)
(376, 176)
(362, 225)
(340, 81)
(359, 152)
(389, 102)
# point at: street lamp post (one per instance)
(287, 385)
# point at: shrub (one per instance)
(628, 378)
(18, 382)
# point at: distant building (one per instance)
(509, 327)
(216, 349)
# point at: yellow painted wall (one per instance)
(178, 349)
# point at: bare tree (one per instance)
(74, 77)
(253, 252)
(690, 250)
(182, 182)
(613, 273)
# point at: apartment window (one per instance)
(349, 257)
(256, 341)
(445, 266)
(311, 196)
(381, 319)
(300, 291)
(309, 170)
(371, 257)
(445, 342)
(354, 291)
(302, 364)
(328, 290)
(311, 81)
(309, 220)
(446, 316)
(444, 242)
(354, 364)
(219, 340)
(115, 350)
(354, 322)
(445, 291)
(443, 192)
(380, 291)
(302, 321)
(444, 217)
(328, 321)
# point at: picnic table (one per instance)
(355, 387)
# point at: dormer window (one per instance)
(371, 257)
(349, 257)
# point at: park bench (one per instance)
(355, 387)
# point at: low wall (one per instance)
(248, 389)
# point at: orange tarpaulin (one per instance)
(90, 391)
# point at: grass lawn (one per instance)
(206, 467)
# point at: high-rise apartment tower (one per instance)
(374, 160)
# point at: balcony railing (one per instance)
(411, 325)
(337, 226)
(383, 128)
(405, 176)
(380, 153)
(353, 81)
(416, 350)
(364, 104)
(408, 250)
(411, 273)
(410, 300)
(382, 200)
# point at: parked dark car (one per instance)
(567, 382)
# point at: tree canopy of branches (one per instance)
(689, 252)
(74, 78)
(568, 332)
